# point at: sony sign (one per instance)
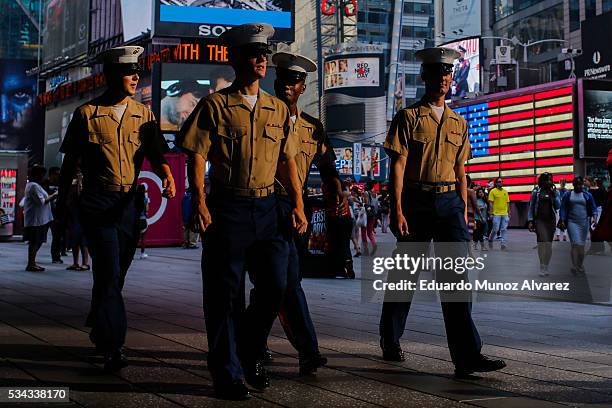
(206, 30)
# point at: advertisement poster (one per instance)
(462, 15)
(8, 198)
(466, 72)
(344, 160)
(317, 240)
(597, 123)
(211, 18)
(164, 216)
(20, 115)
(352, 72)
(66, 29)
(370, 161)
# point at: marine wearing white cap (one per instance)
(248, 34)
(121, 55)
(294, 62)
(438, 57)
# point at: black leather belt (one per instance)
(438, 188)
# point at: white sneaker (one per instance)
(144, 256)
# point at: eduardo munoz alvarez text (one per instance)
(459, 265)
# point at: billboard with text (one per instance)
(211, 18)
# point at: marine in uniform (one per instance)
(314, 148)
(108, 139)
(428, 145)
(246, 136)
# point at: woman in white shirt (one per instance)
(37, 215)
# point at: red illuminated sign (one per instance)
(518, 138)
(328, 7)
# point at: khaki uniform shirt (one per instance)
(111, 149)
(242, 145)
(314, 146)
(432, 147)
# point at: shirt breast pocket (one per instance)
(309, 148)
(417, 145)
(453, 143)
(229, 141)
(100, 141)
(273, 135)
(134, 142)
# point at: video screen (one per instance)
(183, 85)
(597, 122)
(466, 72)
(210, 18)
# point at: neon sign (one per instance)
(328, 7)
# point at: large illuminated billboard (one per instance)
(183, 85)
(210, 18)
(519, 136)
(596, 119)
(466, 70)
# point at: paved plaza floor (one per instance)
(559, 353)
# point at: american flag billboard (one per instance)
(519, 137)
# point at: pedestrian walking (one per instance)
(499, 207)
(577, 211)
(544, 203)
(190, 238)
(603, 230)
(359, 218)
(472, 205)
(245, 135)
(480, 219)
(58, 231)
(428, 145)
(371, 205)
(385, 208)
(37, 215)
(142, 208)
(315, 148)
(108, 138)
(75, 238)
(562, 191)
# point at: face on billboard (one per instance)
(466, 71)
(210, 18)
(17, 103)
(183, 85)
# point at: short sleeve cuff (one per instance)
(394, 148)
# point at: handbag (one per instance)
(362, 218)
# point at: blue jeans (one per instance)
(500, 223)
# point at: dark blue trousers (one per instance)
(109, 224)
(437, 217)
(295, 316)
(244, 234)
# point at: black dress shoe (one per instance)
(115, 361)
(256, 376)
(482, 364)
(234, 391)
(392, 353)
(309, 365)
